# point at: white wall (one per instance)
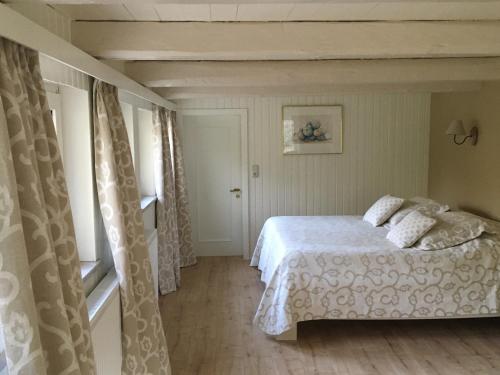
(106, 338)
(45, 16)
(386, 144)
(466, 177)
(60, 25)
(54, 71)
(103, 305)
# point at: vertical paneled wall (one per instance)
(57, 72)
(386, 148)
(45, 16)
(60, 25)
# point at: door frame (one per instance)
(245, 186)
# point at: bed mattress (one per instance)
(340, 267)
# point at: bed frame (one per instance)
(291, 334)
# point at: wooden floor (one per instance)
(209, 331)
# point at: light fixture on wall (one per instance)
(456, 129)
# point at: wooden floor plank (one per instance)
(209, 329)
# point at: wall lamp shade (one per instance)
(457, 129)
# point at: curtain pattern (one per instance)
(166, 213)
(144, 346)
(181, 198)
(43, 312)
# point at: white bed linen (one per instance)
(339, 267)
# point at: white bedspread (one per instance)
(339, 267)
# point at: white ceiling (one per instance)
(385, 43)
(277, 11)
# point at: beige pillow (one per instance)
(425, 206)
(452, 229)
(382, 210)
(410, 229)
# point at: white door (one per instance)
(214, 145)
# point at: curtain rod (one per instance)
(20, 29)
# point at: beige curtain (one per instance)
(44, 318)
(183, 221)
(144, 346)
(175, 247)
(166, 213)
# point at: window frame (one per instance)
(55, 105)
(72, 107)
(141, 144)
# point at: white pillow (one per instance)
(425, 206)
(410, 229)
(382, 210)
(452, 229)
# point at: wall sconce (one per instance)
(456, 128)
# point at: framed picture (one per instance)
(312, 129)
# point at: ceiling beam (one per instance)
(286, 40)
(325, 72)
(21, 30)
(176, 93)
(388, 10)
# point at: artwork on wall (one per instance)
(312, 130)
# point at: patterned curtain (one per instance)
(43, 312)
(166, 213)
(183, 221)
(175, 247)
(144, 346)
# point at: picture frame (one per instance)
(316, 129)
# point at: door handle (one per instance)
(237, 191)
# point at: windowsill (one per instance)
(147, 200)
(86, 268)
(101, 296)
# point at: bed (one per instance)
(341, 267)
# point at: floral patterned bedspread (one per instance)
(339, 267)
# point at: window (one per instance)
(55, 104)
(138, 117)
(70, 109)
(139, 122)
(146, 152)
(128, 115)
